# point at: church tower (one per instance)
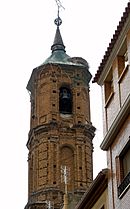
(61, 132)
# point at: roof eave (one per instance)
(96, 189)
(118, 31)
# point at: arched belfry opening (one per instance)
(65, 100)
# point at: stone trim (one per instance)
(87, 129)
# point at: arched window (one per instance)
(67, 159)
(65, 100)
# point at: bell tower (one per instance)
(61, 131)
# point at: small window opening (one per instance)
(109, 87)
(54, 182)
(65, 100)
(54, 119)
(54, 91)
(122, 59)
(122, 63)
(78, 84)
(78, 94)
(125, 163)
(123, 170)
(54, 197)
(53, 105)
(78, 108)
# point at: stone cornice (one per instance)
(116, 125)
(33, 202)
(62, 66)
(87, 129)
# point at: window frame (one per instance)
(122, 59)
(109, 87)
(123, 180)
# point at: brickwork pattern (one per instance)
(121, 90)
(57, 140)
(121, 86)
(118, 145)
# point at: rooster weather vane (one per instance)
(58, 20)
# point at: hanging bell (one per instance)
(65, 94)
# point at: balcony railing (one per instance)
(125, 184)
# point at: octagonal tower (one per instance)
(61, 131)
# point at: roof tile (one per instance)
(112, 43)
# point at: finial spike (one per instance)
(58, 20)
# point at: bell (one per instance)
(65, 94)
(65, 101)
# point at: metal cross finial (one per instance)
(58, 2)
(58, 20)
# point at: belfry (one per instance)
(61, 133)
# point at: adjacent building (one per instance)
(113, 76)
(111, 187)
(96, 197)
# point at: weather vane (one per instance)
(58, 20)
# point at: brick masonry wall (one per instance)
(121, 91)
(116, 148)
(57, 140)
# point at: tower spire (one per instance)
(58, 42)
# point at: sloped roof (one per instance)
(59, 57)
(96, 189)
(112, 43)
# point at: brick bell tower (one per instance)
(61, 131)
